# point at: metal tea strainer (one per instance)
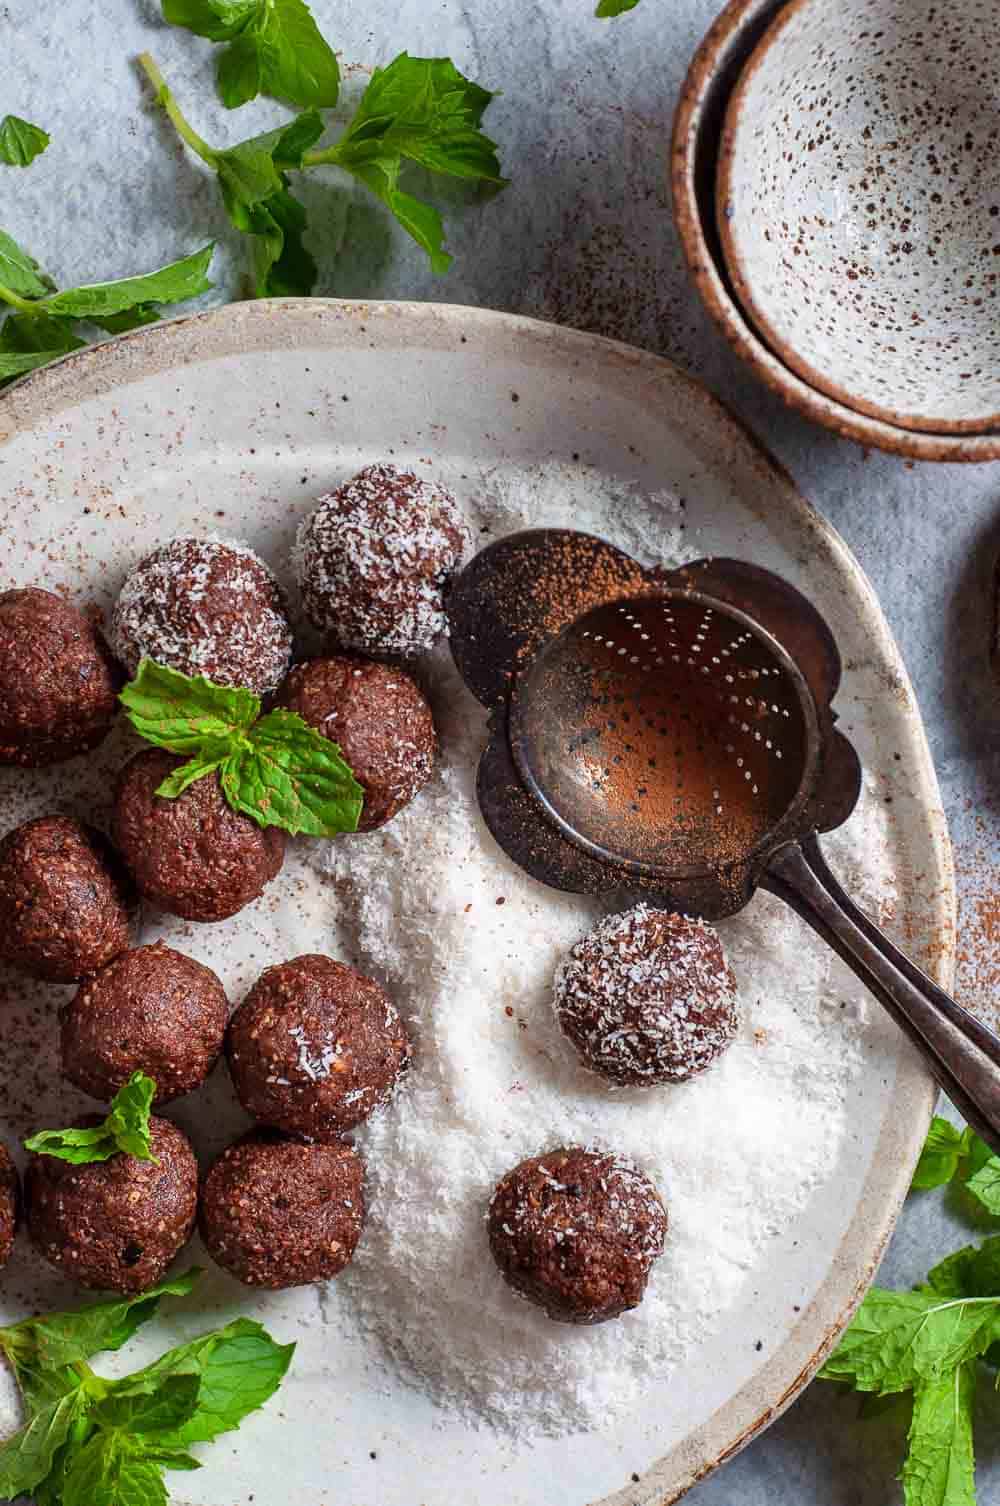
(670, 734)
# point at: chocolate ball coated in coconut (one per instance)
(277, 1213)
(379, 719)
(119, 1224)
(373, 559)
(194, 856)
(58, 683)
(10, 1205)
(62, 906)
(648, 998)
(576, 1232)
(151, 1010)
(315, 1047)
(206, 607)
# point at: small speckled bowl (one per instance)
(859, 205)
(698, 130)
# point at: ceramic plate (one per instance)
(233, 420)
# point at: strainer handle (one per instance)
(962, 1052)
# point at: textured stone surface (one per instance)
(583, 236)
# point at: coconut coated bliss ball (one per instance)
(647, 997)
(374, 557)
(576, 1232)
(206, 607)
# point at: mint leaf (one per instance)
(12, 366)
(283, 266)
(206, 761)
(217, 22)
(238, 1368)
(940, 1465)
(125, 1131)
(170, 284)
(111, 1471)
(608, 8)
(984, 1186)
(42, 1350)
(253, 178)
(276, 48)
(20, 141)
(120, 324)
(30, 334)
(951, 1277)
(163, 1410)
(19, 273)
(899, 1338)
(421, 110)
(186, 713)
(944, 1150)
(285, 773)
(27, 1458)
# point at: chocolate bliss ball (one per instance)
(577, 1232)
(315, 1047)
(647, 998)
(206, 607)
(372, 561)
(379, 719)
(151, 1010)
(10, 1205)
(58, 685)
(276, 1213)
(62, 907)
(194, 856)
(116, 1225)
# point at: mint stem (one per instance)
(26, 305)
(181, 125)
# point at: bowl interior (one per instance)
(859, 205)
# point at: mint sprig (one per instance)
(421, 111)
(954, 1155)
(90, 1441)
(276, 769)
(608, 8)
(125, 1131)
(20, 141)
(275, 47)
(41, 328)
(929, 1347)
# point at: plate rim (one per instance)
(239, 329)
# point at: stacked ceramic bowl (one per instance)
(836, 180)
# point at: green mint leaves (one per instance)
(950, 1154)
(934, 1343)
(20, 141)
(276, 769)
(608, 8)
(275, 47)
(125, 1131)
(89, 1441)
(418, 111)
(41, 328)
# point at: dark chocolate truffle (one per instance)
(194, 856)
(648, 998)
(205, 607)
(277, 1213)
(315, 1047)
(58, 684)
(151, 1010)
(372, 561)
(577, 1232)
(117, 1224)
(62, 907)
(379, 719)
(10, 1205)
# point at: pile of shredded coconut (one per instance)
(469, 946)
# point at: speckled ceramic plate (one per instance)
(234, 419)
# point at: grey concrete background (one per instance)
(583, 236)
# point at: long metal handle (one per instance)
(962, 1052)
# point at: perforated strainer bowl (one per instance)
(672, 735)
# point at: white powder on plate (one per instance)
(736, 1153)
